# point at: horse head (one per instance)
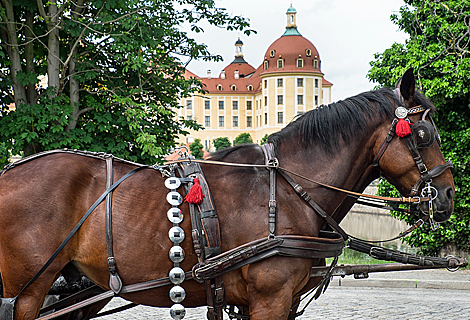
(408, 152)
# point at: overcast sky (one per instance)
(346, 34)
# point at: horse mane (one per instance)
(345, 119)
(221, 154)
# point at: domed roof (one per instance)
(291, 48)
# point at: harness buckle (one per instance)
(273, 163)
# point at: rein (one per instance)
(276, 166)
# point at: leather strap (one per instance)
(78, 225)
(115, 282)
(272, 163)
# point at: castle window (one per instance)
(300, 82)
(266, 65)
(315, 64)
(308, 52)
(272, 53)
(265, 101)
(300, 63)
(235, 105)
(280, 63)
(265, 84)
(316, 100)
(207, 104)
(249, 121)
(248, 105)
(235, 121)
(250, 88)
(221, 105)
(266, 118)
(280, 82)
(189, 104)
(207, 121)
(219, 87)
(280, 117)
(280, 99)
(300, 99)
(233, 87)
(221, 121)
(316, 83)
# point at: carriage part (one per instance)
(381, 253)
(7, 308)
(177, 311)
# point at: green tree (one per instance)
(244, 137)
(221, 143)
(197, 149)
(114, 72)
(264, 139)
(4, 155)
(438, 50)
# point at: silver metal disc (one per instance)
(175, 215)
(176, 235)
(401, 112)
(172, 183)
(176, 254)
(177, 294)
(174, 198)
(176, 275)
(177, 311)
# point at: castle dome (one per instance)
(291, 52)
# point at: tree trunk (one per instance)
(53, 57)
(14, 54)
(31, 92)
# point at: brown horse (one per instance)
(42, 200)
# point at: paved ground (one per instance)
(424, 294)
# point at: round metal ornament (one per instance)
(176, 235)
(177, 294)
(176, 254)
(172, 183)
(177, 311)
(174, 198)
(176, 275)
(401, 112)
(175, 215)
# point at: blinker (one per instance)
(423, 134)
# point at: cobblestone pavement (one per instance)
(350, 303)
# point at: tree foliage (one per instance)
(113, 72)
(221, 143)
(197, 149)
(438, 49)
(243, 137)
(264, 139)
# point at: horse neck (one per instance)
(347, 168)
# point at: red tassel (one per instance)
(402, 128)
(194, 194)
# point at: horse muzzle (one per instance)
(440, 207)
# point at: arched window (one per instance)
(219, 87)
(233, 87)
(266, 64)
(250, 87)
(315, 64)
(308, 52)
(272, 53)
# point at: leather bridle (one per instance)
(426, 175)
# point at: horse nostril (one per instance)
(450, 193)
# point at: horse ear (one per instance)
(407, 85)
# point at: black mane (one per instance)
(345, 119)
